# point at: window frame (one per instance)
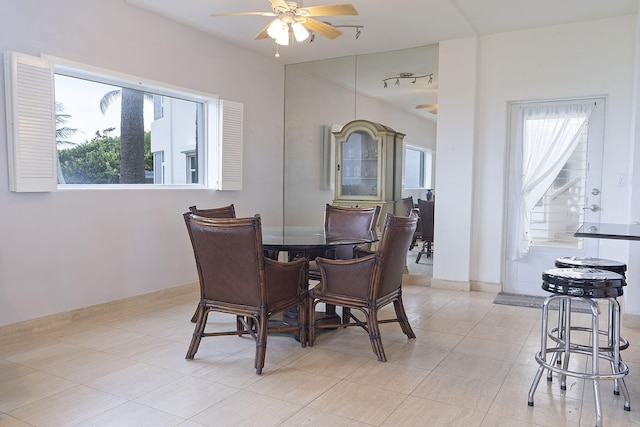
(426, 155)
(209, 107)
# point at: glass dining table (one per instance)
(308, 242)
(600, 230)
(301, 241)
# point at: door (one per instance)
(572, 198)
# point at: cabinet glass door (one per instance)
(359, 172)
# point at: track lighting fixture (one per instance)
(410, 76)
(357, 27)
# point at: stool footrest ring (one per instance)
(622, 371)
(553, 335)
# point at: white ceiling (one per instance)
(388, 25)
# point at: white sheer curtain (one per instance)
(549, 133)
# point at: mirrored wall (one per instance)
(322, 96)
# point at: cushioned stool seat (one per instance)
(587, 286)
(589, 262)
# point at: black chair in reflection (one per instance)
(408, 207)
(367, 284)
(426, 224)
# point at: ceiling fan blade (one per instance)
(426, 106)
(245, 14)
(322, 28)
(332, 10)
(263, 34)
(279, 4)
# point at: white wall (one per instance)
(74, 248)
(312, 103)
(577, 60)
(454, 160)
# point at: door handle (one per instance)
(592, 208)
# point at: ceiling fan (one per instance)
(433, 107)
(294, 21)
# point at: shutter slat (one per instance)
(31, 128)
(231, 145)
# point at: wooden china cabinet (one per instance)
(369, 167)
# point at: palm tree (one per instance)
(131, 132)
(62, 132)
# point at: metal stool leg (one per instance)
(617, 360)
(595, 360)
(543, 350)
(567, 342)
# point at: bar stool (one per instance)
(583, 285)
(600, 264)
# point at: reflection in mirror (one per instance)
(329, 93)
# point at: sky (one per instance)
(81, 100)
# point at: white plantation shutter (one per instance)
(231, 138)
(31, 124)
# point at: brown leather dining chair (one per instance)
(367, 284)
(221, 212)
(236, 278)
(426, 222)
(359, 221)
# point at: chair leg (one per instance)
(374, 335)
(311, 321)
(261, 343)
(346, 315)
(401, 315)
(198, 332)
(194, 318)
(302, 319)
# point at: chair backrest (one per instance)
(426, 219)
(359, 221)
(229, 258)
(407, 205)
(222, 212)
(391, 255)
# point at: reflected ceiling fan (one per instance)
(433, 107)
(294, 21)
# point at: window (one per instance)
(192, 168)
(111, 133)
(114, 129)
(158, 167)
(417, 167)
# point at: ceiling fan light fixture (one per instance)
(299, 31)
(279, 31)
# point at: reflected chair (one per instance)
(367, 284)
(236, 278)
(408, 207)
(222, 212)
(426, 223)
(359, 222)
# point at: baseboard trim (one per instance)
(486, 287)
(60, 319)
(450, 285)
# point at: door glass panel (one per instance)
(559, 213)
(359, 165)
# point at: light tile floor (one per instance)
(471, 365)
